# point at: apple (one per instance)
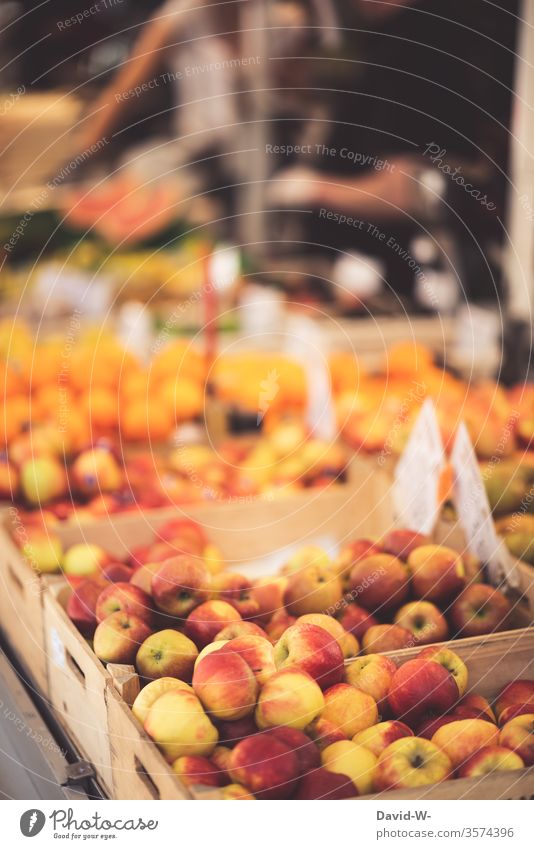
(420, 686)
(142, 577)
(438, 573)
(236, 590)
(453, 664)
(195, 770)
(479, 609)
(323, 784)
(258, 653)
(411, 762)
(372, 674)
(378, 737)
(324, 733)
(307, 555)
(185, 530)
(512, 711)
(352, 552)
(428, 727)
(313, 650)
(516, 692)
(206, 620)
(424, 621)
(518, 735)
(401, 542)
(462, 738)
(265, 765)
(305, 749)
(213, 559)
(380, 582)
(240, 629)
(178, 724)
(232, 731)
(488, 760)
(96, 471)
(209, 648)
(268, 593)
(314, 589)
(81, 605)
(117, 572)
(290, 697)
(279, 624)
(349, 709)
(117, 638)
(151, 692)
(225, 684)
(356, 619)
(356, 762)
(473, 706)
(383, 638)
(84, 560)
(347, 643)
(42, 549)
(42, 479)
(166, 654)
(126, 598)
(180, 584)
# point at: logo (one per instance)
(32, 822)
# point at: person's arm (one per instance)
(139, 68)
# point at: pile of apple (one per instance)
(248, 685)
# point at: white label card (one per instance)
(58, 649)
(417, 474)
(474, 513)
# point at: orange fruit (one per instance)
(142, 421)
(183, 398)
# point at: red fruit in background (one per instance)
(81, 605)
(354, 551)
(305, 749)
(266, 766)
(429, 726)
(279, 623)
(419, 687)
(356, 619)
(323, 784)
(479, 609)
(126, 598)
(380, 582)
(185, 530)
(401, 542)
(512, 711)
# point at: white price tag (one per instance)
(417, 474)
(474, 513)
(58, 649)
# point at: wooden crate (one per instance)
(78, 684)
(491, 664)
(21, 607)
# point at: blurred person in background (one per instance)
(429, 93)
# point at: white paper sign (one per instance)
(58, 649)
(474, 513)
(307, 344)
(417, 474)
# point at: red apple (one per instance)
(379, 583)
(268, 593)
(240, 629)
(372, 674)
(195, 770)
(518, 735)
(180, 584)
(516, 692)
(356, 619)
(438, 573)
(378, 737)
(424, 621)
(401, 542)
(232, 731)
(479, 609)
(187, 530)
(279, 624)
(455, 665)
(206, 620)
(117, 638)
(353, 552)
(117, 572)
(266, 766)
(126, 598)
(236, 590)
(472, 706)
(305, 749)
(258, 653)
(384, 638)
(81, 605)
(226, 685)
(512, 711)
(489, 760)
(324, 733)
(420, 686)
(313, 650)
